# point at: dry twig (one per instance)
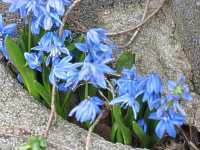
(53, 111)
(88, 139)
(72, 6)
(138, 29)
(140, 24)
(190, 143)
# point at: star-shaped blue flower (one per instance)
(87, 110)
(167, 122)
(51, 44)
(64, 70)
(129, 87)
(180, 88)
(153, 90)
(34, 60)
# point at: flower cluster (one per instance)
(167, 108)
(44, 13)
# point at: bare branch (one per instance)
(72, 6)
(140, 24)
(138, 29)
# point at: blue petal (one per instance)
(81, 47)
(160, 129)
(171, 85)
(9, 29)
(187, 96)
(120, 99)
(170, 129)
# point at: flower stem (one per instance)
(29, 33)
(53, 111)
(86, 90)
(88, 139)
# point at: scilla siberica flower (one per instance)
(179, 89)
(128, 87)
(5, 30)
(51, 44)
(94, 72)
(167, 121)
(98, 54)
(45, 13)
(153, 90)
(97, 44)
(64, 70)
(34, 60)
(87, 110)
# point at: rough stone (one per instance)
(186, 14)
(21, 116)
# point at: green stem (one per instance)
(86, 90)
(29, 33)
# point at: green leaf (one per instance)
(17, 57)
(43, 142)
(144, 139)
(114, 131)
(43, 92)
(126, 59)
(122, 130)
(36, 146)
(45, 78)
(24, 147)
(119, 137)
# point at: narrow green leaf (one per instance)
(141, 135)
(17, 57)
(119, 137)
(114, 131)
(126, 59)
(43, 92)
(121, 128)
(45, 78)
(24, 147)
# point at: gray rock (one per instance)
(186, 14)
(21, 116)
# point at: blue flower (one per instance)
(87, 110)
(143, 125)
(130, 83)
(25, 7)
(57, 5)
(45, 13)
(34, 60)
(50, 43)
(180, 88)
(125, 101)
(97, 44)
(5, 30)
(64, 70)
(129, 87)
(153, 90)
(167, 122)
(94, 73)
(171, 101)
